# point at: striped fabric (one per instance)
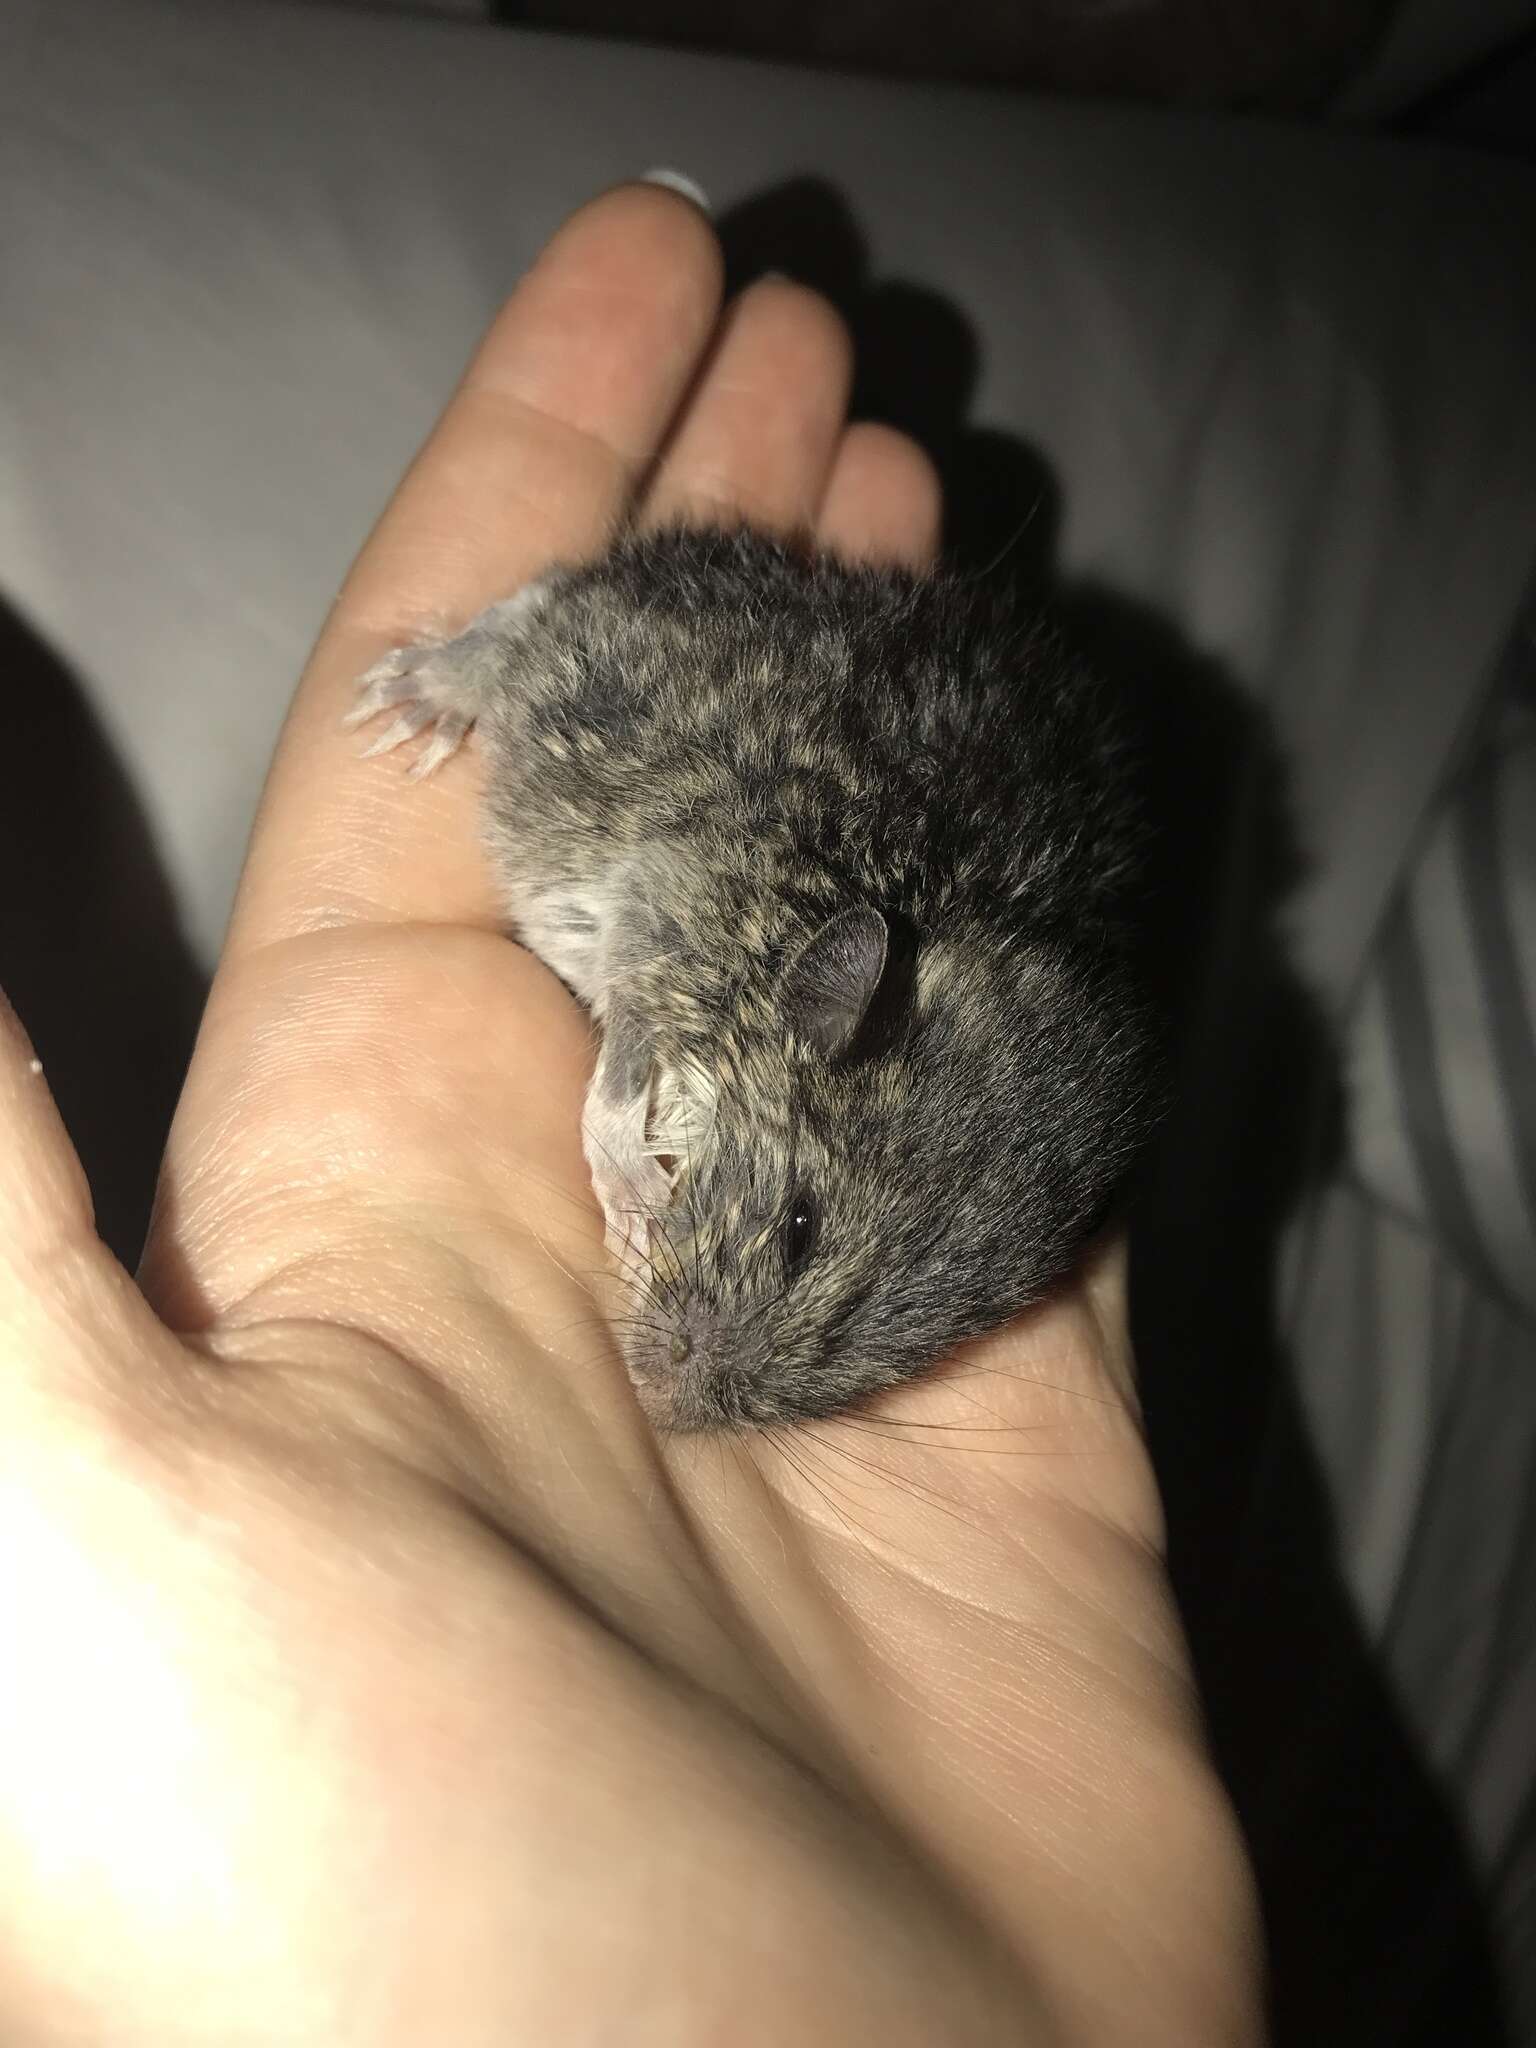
(1442, 1058)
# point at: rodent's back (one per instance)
(813, 729)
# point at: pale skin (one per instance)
(371, 1673)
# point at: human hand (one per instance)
(374, 1674)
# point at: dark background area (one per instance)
(92, 955)
(1288, 53)
(1297, 57)
(1470, 78)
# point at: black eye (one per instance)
(797, 1236)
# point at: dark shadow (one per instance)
(916, 363)
(1490, 106)
(1376, 1926)
(91, 951)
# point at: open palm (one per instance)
(374, 1673)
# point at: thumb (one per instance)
(56, 1276)
(45, 1204)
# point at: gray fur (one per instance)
(847, 858)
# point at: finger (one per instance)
(758, 437)
(44, 1201)
(883, 501)
(69, 1315)
(535, 458)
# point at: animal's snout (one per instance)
(690, 1345)
(679, 1373)
(679, 1358)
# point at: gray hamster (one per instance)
(844, 862)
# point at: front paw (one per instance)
(436, 686)
(446, 684)
(433, 687)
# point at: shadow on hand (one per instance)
(1376, 1926)
(91, 953)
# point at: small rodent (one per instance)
(844, 861)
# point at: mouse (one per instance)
(844, 861)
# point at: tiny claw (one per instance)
(405, 727)
(444, 743)
(375, 694)
(387, 667)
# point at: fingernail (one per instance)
(677, 181)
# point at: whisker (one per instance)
(651, 1219)
(630, 1263)
(1029, 1379)
(905, 1481)
(558, 1263)
(698, 1276)
(811, 1445)
(743, 1445)
(914, 1488)
(626, 1257)
(631, 1325)
(671, 1279)
(777, 1439)
(549, 1186)
(889, 1430)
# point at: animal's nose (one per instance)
(682, 1344)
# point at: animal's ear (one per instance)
(831, 981)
